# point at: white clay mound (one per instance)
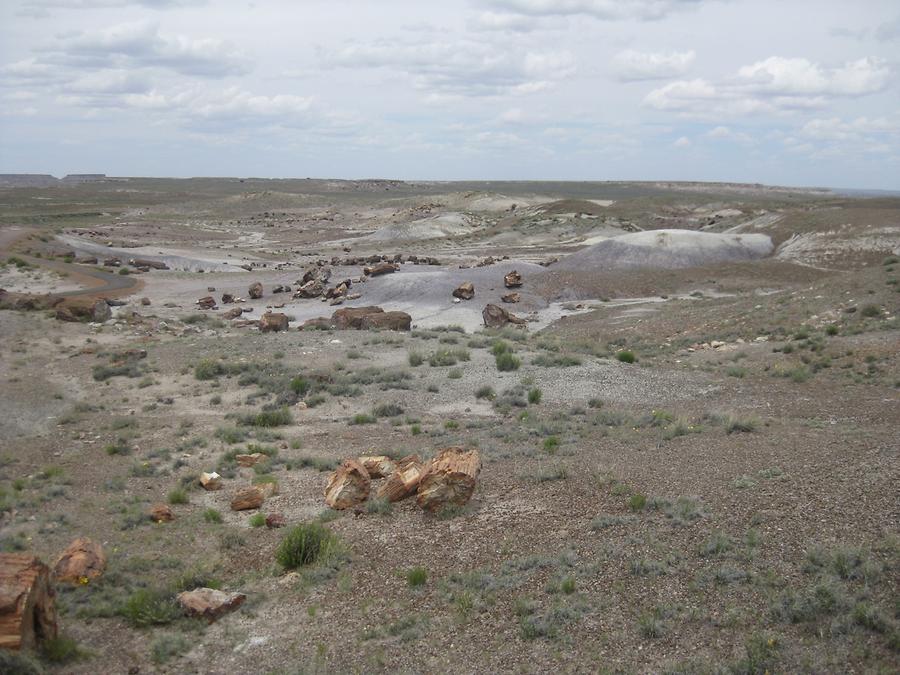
(667, 249)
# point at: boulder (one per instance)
(352, 317)
(82, 561)
(496, 317)
(275, 520)
(465, 291)
(311, 289)
(209, 603)
(271, 322)
(379, 269)
(161, 513)
(511, 297)
(255, 291)
(227, 298)
(211, 481)
(233, 313)
(512, 280)
(247, 461)
(145, 302)
(207, 302)
(319, 323)
(83, 309)
(247, 498)
(387, 321)
(154, 264)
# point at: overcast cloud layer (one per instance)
(792, 93)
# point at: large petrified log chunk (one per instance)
(378, 466)
(348, 486)
(496, 317)
(27, 602)
(449, 479)
(404, 481)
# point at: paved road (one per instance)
(97, 283)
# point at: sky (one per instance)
(786, 92)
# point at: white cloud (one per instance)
(464, 68)
(503, 21)
(109, 82)
(774, 85)
(632, 65)
(801, 77)
(682, 142)
(723, 133)
(644, 10)
(140, 44)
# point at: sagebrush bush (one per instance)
(268, 418)
(208, 369)
(150, 607)
(305, 544)
(506, 361)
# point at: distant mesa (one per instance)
(46, 180)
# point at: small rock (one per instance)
(275, 520)
(209, 603)
(145, 301)
(82, 561)
(251, 459)
(208, 302)
(512, 280)
(211, 481)
(465, 291)
(161, 513)
(255, 291)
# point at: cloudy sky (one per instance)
(773, 91)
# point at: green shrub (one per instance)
(150, 607)
(417, 576)
(534, 396)
(637, 502)
(500, 347)
(379, 506)
(486, 392)
(208, 369)
(448, 357)
(387, 410)
(178, 496)
(551, 443)
(59, 650)
(362, 418)
(118, 448)
(870, 311)
(166, 646)
(506, 361)
(556, 360)
(832, 329)
(212, 516)
(305, 544)
(299, 385)
(625, 356)
(415, 359)
(268, 418)
(257, 520)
